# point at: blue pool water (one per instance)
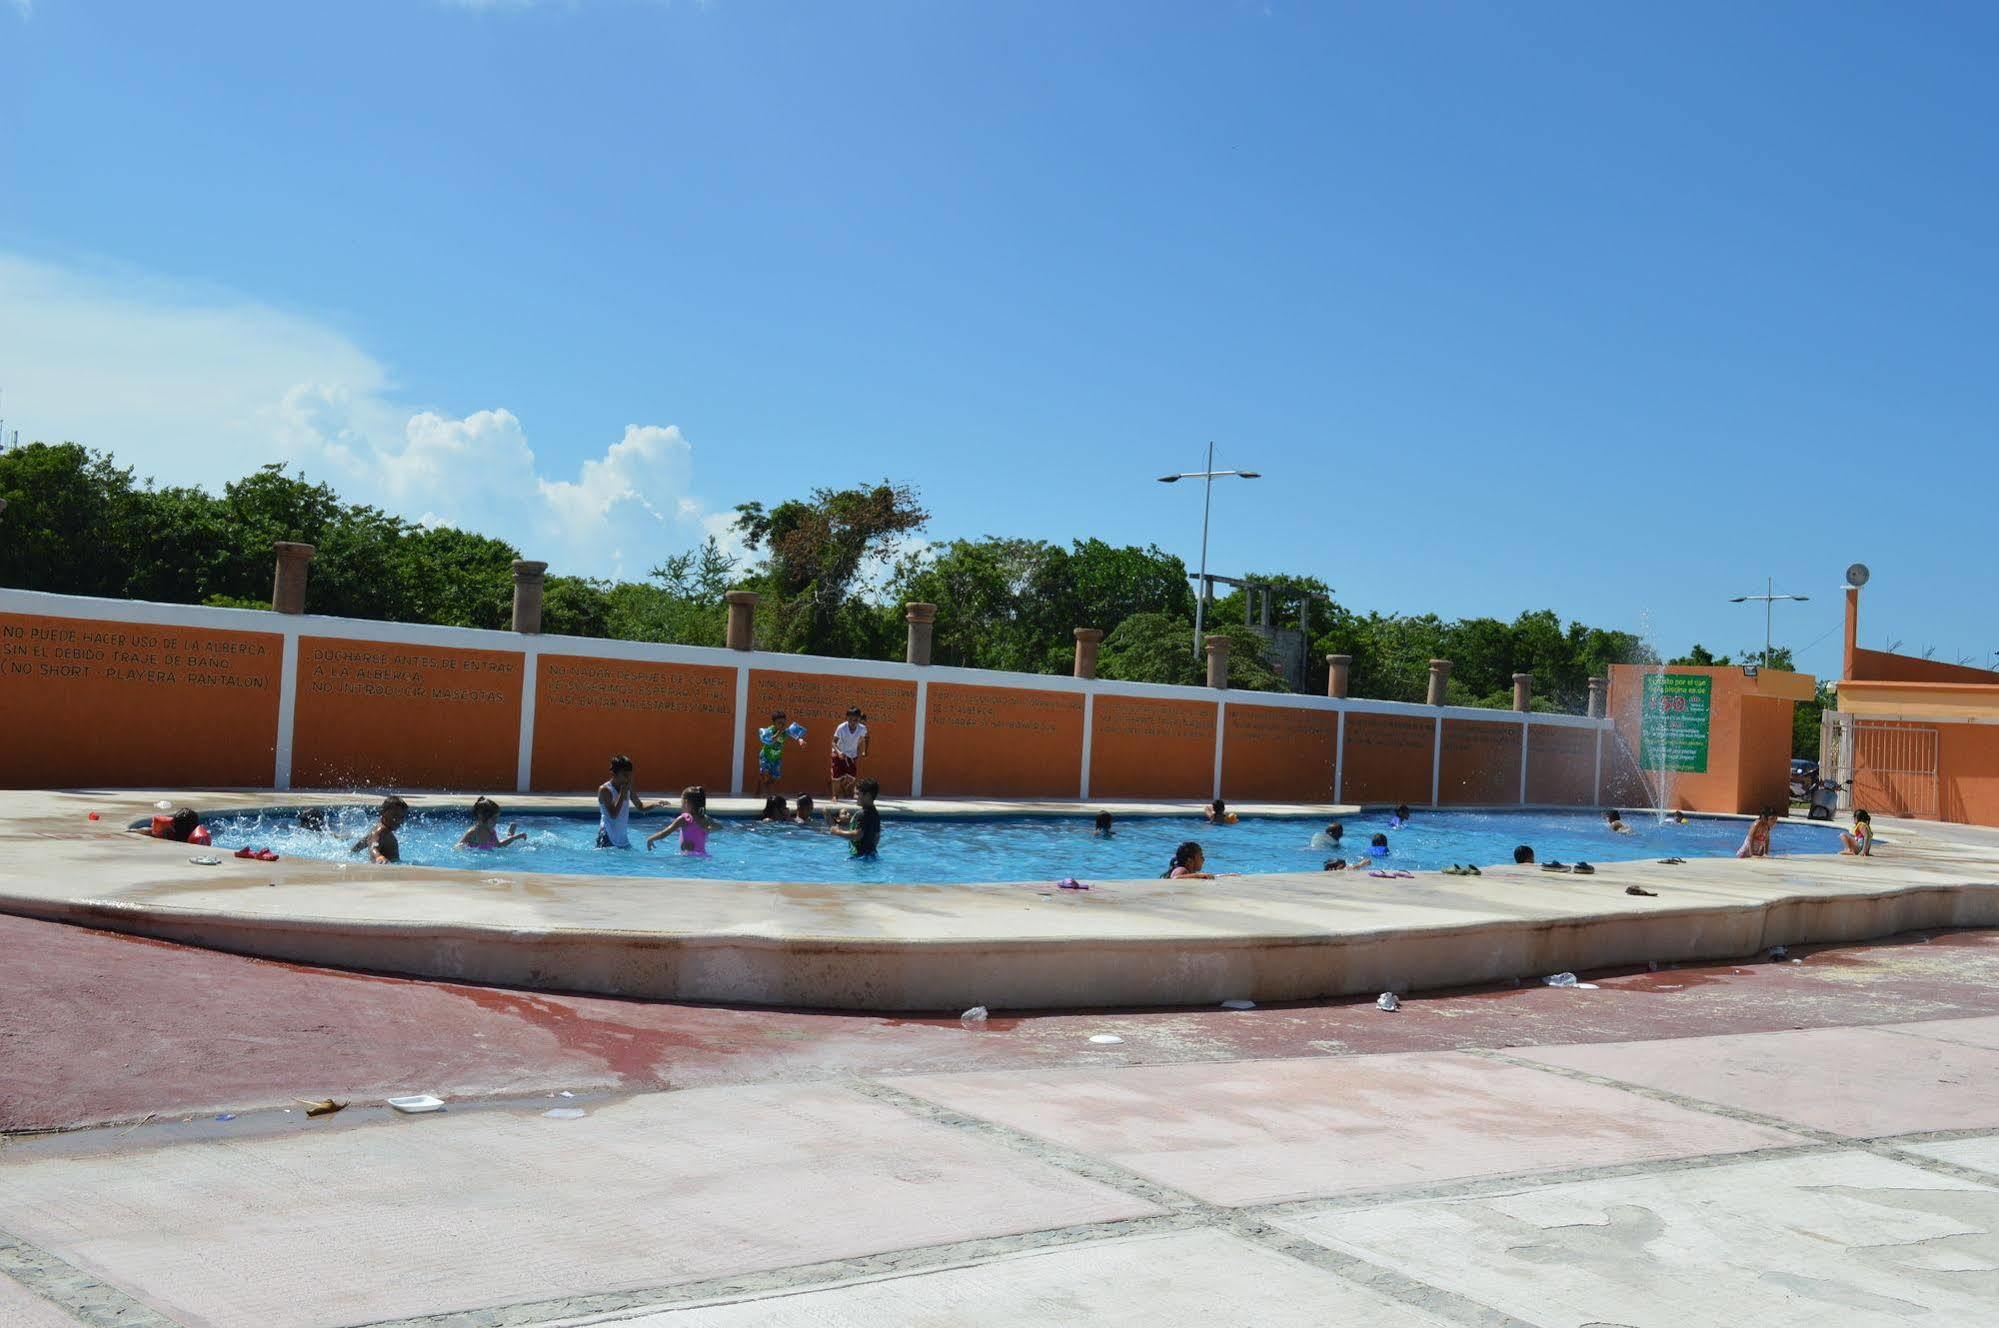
(1023, 848)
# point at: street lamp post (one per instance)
(1208, 477)
(1768, 599)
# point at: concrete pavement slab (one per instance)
(1262, 1131)
(1195, 1277)
(444, 1212)
(1978, 1154)
(1861, 1082)
(1983, 1032)
(1802, 1242)
(22, 1308)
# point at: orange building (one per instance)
(1913, 737)
(1702, 739)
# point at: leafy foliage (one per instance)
(815, 550)
(833, 576)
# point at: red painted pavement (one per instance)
(99, 1028)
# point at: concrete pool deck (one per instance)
(948, 947)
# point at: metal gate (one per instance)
(1885, 765)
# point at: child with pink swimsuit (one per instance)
(693, 823)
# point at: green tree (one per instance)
(815, 550)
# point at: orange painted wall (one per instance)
(1749, 741)
(1561, 766)
(405, 716)
(86, 702)
(1763, 754)
(1009, 742)
(1968, 768)
(676, 721)
(819, 701)
(1278, 754)
(1387, 758)
(1480, 762)
(1146, 748)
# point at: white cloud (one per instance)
(198, 389)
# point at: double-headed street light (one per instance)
(1208, 477)
(1768, 598)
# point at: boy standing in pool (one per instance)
(864, 831)
(615, 804)
(770, 751)
(380, 841)
(850, 744)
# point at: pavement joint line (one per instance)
(1245, 1222)
(1482, 1187)
(796, 1279)
(95, 1303)
(1378, 1278)
(1076, 1163)
(1936, 1165)
(1671, 1098)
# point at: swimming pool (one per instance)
(1011, 848)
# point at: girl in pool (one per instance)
(775, 809)
(805, 811)
(1757, 845)
(1400, 819)
(485, 832)
(1105, 828)
(1218, 813)
(1186, 865)
(693, 823)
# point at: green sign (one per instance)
(1672, 733)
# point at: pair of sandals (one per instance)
(259, 854)
(1672, 862)
(1455, 870)
(1397, 875)
(1580, 869)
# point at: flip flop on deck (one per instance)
(1556, 866)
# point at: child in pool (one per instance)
(1613, 821)
(1218, 813)
(183, 827)
(1860, 843)
(1377, 847)
(693, 823)
(1187, 862)
(380, 842)
(775, 809)
(484, 832)
(1103, 830)
(1401, 817)
(862, 827)
(805, 810)
(1757, 844)
(615, 804)
(1331, 836)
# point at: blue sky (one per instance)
(1609, 310)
